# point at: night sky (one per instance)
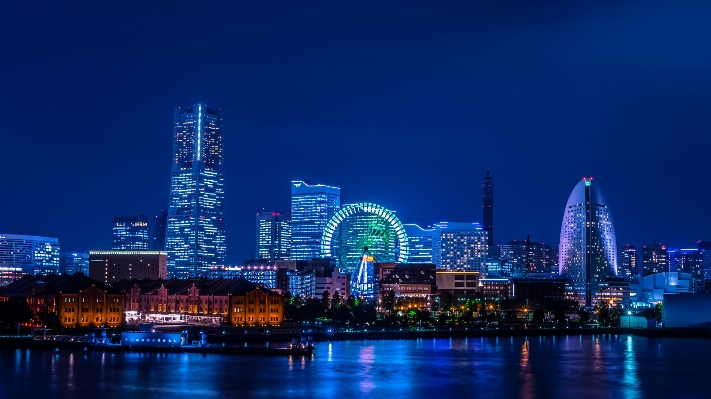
(404, 104)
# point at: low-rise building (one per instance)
(233, 301)
(415, 281)
(496, 288)
(458, 284)
(77, 300)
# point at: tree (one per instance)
(538, 315)
(325, 299)
(14, 311)
(389, 301)
(583, 315)
(336, 301)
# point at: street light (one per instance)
(629, 318)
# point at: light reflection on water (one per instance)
(540, 367)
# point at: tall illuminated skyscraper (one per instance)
(420, 243)
(312, 206)
(273, 241)
(130, 232)
(587, 251)
(195, 235)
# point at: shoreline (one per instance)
(239, 344)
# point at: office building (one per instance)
(196, 230)
(159, 231)
(130, 233)
(654, 259)
(459, 246)
(689, 261)
(111, 266)
(312, 206)
(705, 248)
(459, 284)
(626, 261)
(74, 262)
(22, 254)
(528, 257)
(487, 187)
(587, 251)
(273, 240)
(420, 243)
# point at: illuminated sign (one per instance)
(368, 258)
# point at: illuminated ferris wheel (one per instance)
(364, 227)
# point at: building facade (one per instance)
(22, 254)
(528, 257)
(626, 261)
(74, 262)
(420, 243)
(273, 240)
(238, 302)
(459, 246)
(689, 260)
(312, 206)
(130, 233)
(196, 228)
(587, 251)
(77, 300)
(112, 266)
(655, 259)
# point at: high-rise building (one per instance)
(130, 232)
(312, 206)
(159, 231)
(420, 243)
(687, 261)
(626, 261)
(195, 234)
(21, 254)
(705, 248)
(539, 258)
(74, 262)
(459, 246)
(654, 259)
(587, 251)
(273, 239)
(488, 206)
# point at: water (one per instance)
(603, 366)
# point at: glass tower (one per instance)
(273, 236)
(312, 206)
(21, 254)
(588, 250)
(420, 243)
(130, 232)
(195, 233)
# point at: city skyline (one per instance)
(329, 109)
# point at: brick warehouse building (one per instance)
(236, 301)
(77, 300)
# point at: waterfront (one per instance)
(543, 367)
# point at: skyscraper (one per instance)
(655, 259)
(195, 234)
(626, 261)
(312, 206)
(537, 260)
(587, 251)
(420, 243)
(488, 206)
(459, 246)
(130, 232)
(159, 231)
(273, 241)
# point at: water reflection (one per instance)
(599, 366)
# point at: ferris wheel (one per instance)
(364, 225)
